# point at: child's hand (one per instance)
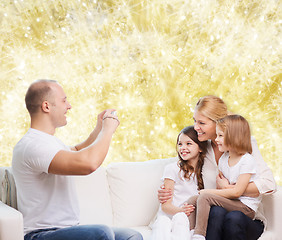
(188, 209)
(221, 181)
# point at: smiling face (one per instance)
(220, 139)
(187, 148)
(204, 126)
(58, 106)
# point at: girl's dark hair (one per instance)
(184, 165)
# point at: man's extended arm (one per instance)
(90, 154)
(94, 134)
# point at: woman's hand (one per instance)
(222, 182)
(164, 194)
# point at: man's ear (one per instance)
(45, 106)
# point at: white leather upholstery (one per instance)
(125, 194)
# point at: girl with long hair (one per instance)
(184, 179)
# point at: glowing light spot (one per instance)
(152, 61)
(22, 65)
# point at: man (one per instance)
(42, 164)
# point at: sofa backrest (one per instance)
(94, 198)
(272, 210)
(125, 194)
(133, 190)
(2, 174)
(92, 191)
(8, 193)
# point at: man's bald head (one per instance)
(38, 92)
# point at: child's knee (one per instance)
(192, 200)
(204, 197)
(163, 221)
(180, 218)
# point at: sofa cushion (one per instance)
(8, 189)
(273, 212)
(133, 189)
(94, 198)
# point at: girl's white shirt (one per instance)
(246, 164)
(183, 188)
(265, 181)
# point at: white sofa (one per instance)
(125, 195)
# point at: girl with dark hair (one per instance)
(184, 179)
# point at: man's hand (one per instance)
(100, 120)
(164, 194)
(110, 120)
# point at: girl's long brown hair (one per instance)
(184, 165)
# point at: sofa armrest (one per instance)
(11, 223)
(273, 211)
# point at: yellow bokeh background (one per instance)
(151, 60)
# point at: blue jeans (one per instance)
(84, 232)
(235, 225)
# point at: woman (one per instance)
(223, 224)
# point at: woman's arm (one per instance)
(164, 194)
(233, 192)
(168, 207)
(264, 183)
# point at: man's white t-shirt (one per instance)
(45, 200)
(246, 164)
(183, 188)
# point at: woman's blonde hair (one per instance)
(237, 133)
(212, 107)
